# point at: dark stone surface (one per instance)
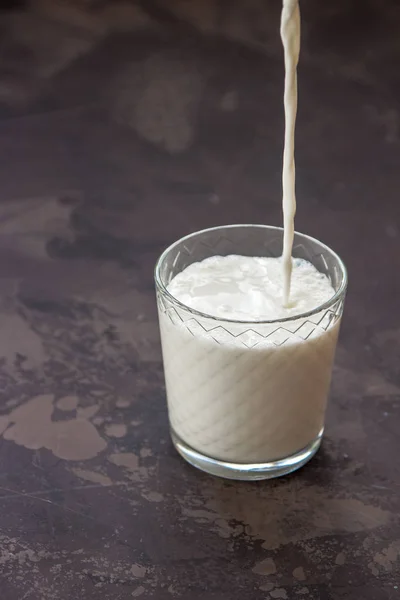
(123, 127)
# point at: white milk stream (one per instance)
(290, 33)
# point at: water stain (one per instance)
(340, 559)
(154, 497)
(265, 567)
(373, 568)
(93, 477)
(267, 587)
(389, 556)
(68, 403)
(88, 412)
(117, 430)
(18, 339)
(298, 573)
(121, 403)
(279, 593)
(31, 426)
(138, 571)
(285, 514)
(125, 459)
(145, 452)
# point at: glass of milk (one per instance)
(247, 396)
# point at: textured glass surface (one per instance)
(247, 392)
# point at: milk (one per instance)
(248, 392)
(290, 34)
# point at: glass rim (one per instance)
(164, 291)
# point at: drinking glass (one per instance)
(247, 399)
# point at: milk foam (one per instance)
(247, 288)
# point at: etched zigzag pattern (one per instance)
(250, 337)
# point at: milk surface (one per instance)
(248, 392)
(250, 288)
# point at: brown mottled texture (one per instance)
(124, 125)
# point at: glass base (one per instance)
(246, 472)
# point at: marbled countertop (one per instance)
(122, 127)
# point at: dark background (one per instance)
(124, 125)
